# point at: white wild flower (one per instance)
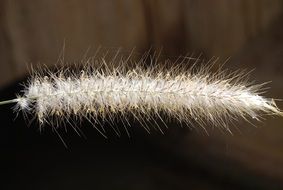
(193, 96)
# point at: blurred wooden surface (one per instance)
(35, 31)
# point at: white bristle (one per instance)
(187, 95)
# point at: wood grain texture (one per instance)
(35, 31)
(221, 28)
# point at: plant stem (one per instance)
(8, 101)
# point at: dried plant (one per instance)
(195, 95)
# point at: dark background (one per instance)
(247, 32)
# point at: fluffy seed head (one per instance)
(191, 95)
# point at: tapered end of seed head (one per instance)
(22, 102)
(274, 109)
